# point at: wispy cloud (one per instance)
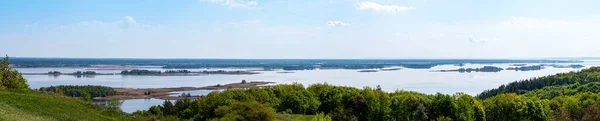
(525, 21)
(383, 8)
(129, 20)
(336, 23)
(477, 40)
(234, 3)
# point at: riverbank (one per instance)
(163, 93)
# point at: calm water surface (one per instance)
(421, 80)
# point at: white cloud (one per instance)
(234, 3)
(477, 40)
(383, 8)
(336, 23)
(129, 20)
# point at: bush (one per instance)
(10, 78)
(321, 117)
(245, 111)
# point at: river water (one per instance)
(420, 80)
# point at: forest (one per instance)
(584, 76)
(341, 103)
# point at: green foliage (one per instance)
(368, 104)
(512, 107)
(85, 95)
(155, 110)
(359, 107)
(520, 87)
(410, 106)
(321, 117)
(550, 92)
(10, 78)
(341, 114)
(592, 113)
(75, 90)
(113, 104)
(245, 111)
(300, 102)
(443, 118)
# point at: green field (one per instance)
(37, 106)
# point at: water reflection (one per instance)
(192, 92)
(132, 105)
(85, 76)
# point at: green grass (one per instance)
(37, 106)
(293, 117)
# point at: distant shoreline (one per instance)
(161, 74)
(163, 93)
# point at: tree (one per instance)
(410, 106)
(10, 78)
(592, 113)
(359, 107)
(245, 111)
(168, 108)
(113, 103)
(512, 107)
(243, 81)
(442, 105)
(85, 95)
(321, 117)
(155, 110)
(300, 102)
(341, 114)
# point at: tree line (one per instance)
(81, 91)
(349, 103)
(584, 76)
(140, 72)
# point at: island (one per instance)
(163, 93)
(368, 71)
(526, 68)
(575, 66)
(469, 70)
(390, 69)
(77, 73)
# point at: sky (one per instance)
(300, 29)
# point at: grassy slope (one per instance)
(36, 106)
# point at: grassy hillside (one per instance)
(37, 106)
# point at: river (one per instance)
(420, 80)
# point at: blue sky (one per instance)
(300, 28)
